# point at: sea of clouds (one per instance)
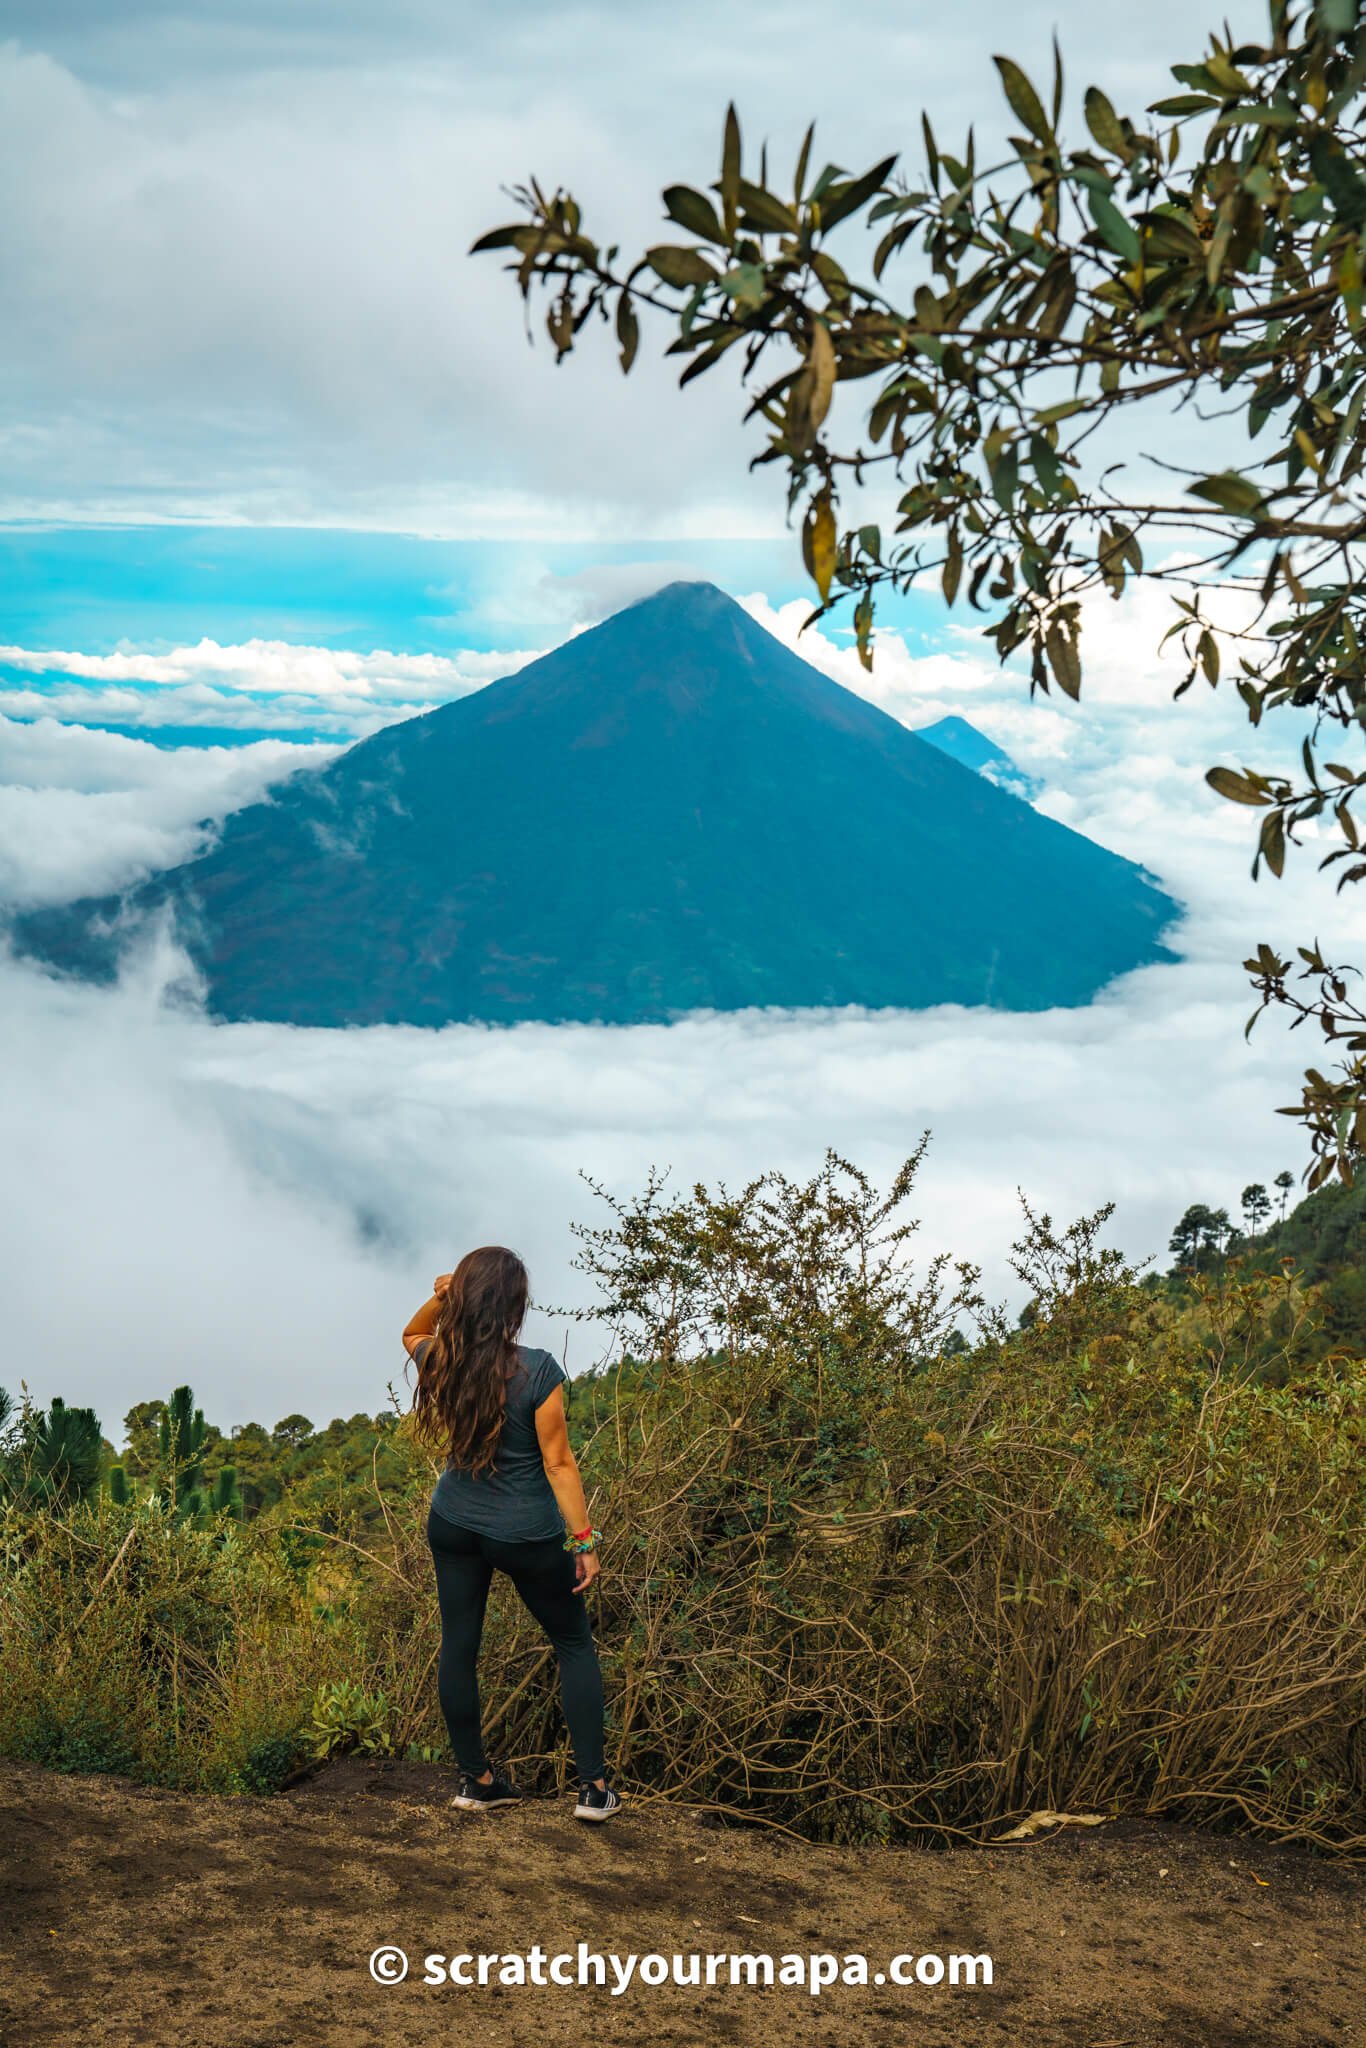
(238, 290)
(257, 1208)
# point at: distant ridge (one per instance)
(670, 812)
(962, 742)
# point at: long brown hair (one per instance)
(462, 1379)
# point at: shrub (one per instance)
(346, 1717)
(861, 1580)
(134, 1634)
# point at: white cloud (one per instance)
(587, 595)
(234, 253)
(274, 667)
(258, 1209)
(83, 812)
(197, 706)
(282, 685)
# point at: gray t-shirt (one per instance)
(512, 1499)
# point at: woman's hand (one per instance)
(441, 1283)
(586, 1569)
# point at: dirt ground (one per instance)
(143, 1917)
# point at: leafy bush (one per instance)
(860, 1580)
(267, 1765)
(346, 1717)
(135, 1635)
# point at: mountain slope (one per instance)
(962, 742)
(669, 812)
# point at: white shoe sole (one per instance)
(596, 1813)
(481, 1805)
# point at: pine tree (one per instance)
(180, 1438)
(1198, 1228)
(226, 1497)
(62, 1453)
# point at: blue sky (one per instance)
(159, 586)
(109, 595)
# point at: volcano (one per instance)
(670, 812)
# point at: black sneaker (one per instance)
(475, 1797)
(596, 1802)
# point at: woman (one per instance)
(509, 1493)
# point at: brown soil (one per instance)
(136, 1916)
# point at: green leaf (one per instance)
(812, 390)
(828, 177)
(498, 238)
(628, 330)
(1052, 413)
(709, 355)
(1197, 75)
(799, 182)
(1024, 101)
(1057, 308)
(1005, 475)
(1224, 72)
(1104, 124)
(1047, 468)
(1064, 657)
(931, 150)
(842, 200)
(1239, 789)
(765, 212)
(863, 629)
(695, 212)
(1230, 492)
(1271, 842)
(1281, 116)
(953, 566)
(1183, 103)
(745, 283)
(1346, 190)
(730, 168)
(1120, 233)
(680, 267)
(1172, 239)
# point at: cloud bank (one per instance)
(258, 1209)
(84, 812)
(233, 241)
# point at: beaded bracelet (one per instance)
(589, 1539)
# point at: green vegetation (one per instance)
(866, 1576)
(1200, 259)
(1314, 1259)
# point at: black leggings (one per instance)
(543, 1574)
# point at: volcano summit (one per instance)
(670, 812)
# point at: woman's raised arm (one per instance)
(423, 1323)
